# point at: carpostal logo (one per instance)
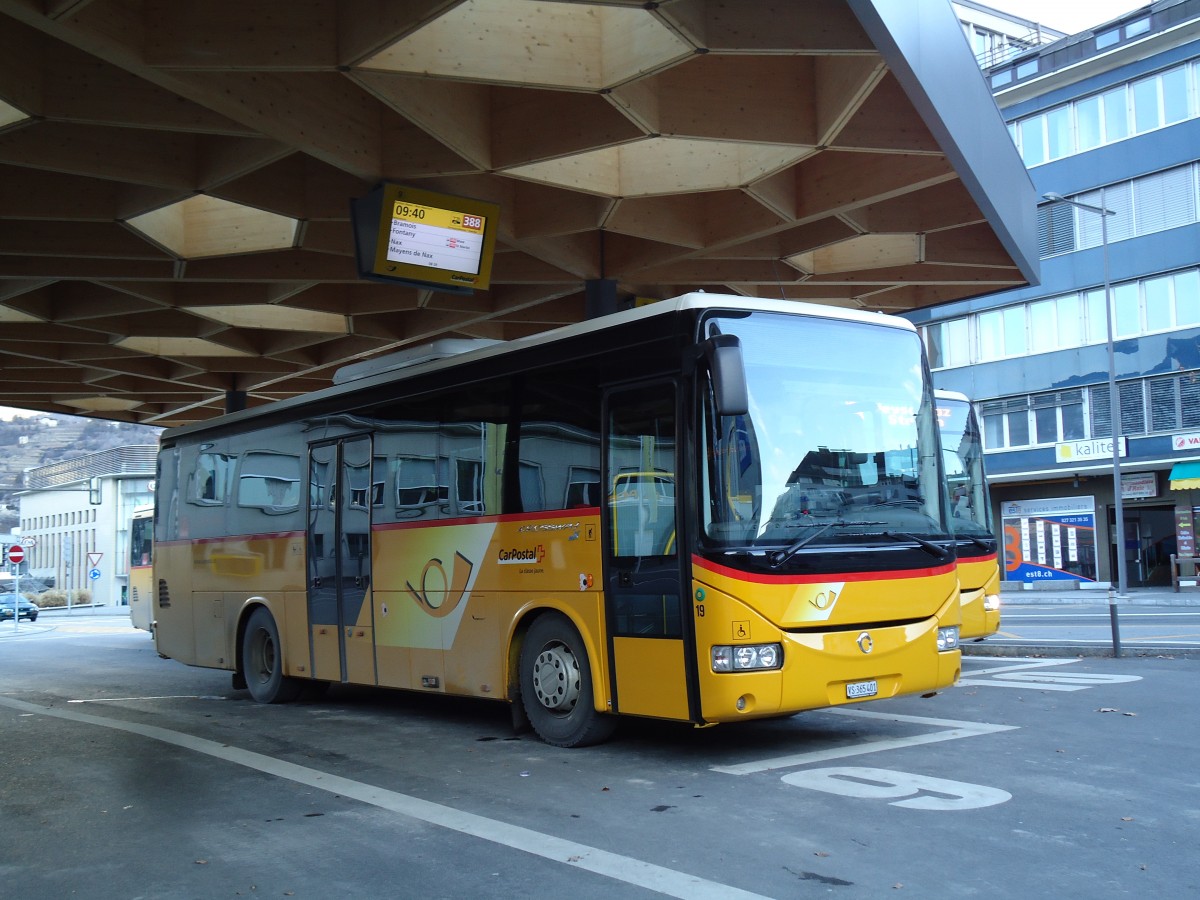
(516, 557)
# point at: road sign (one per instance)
(16, 554)
(94, 574)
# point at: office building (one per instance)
(1108, 118)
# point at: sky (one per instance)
(1067, 16)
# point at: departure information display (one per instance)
(439, 238)
(424, 238)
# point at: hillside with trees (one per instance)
(30, 441)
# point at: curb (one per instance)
(1067, 651)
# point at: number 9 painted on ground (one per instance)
(918, 791)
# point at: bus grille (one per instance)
(164, 595)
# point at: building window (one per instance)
(948, 344)
(1152, 305)
(1175, 95)
(1056, 228)
(1137, 107)
(1108, 38)
(1006, 423)
(1146, 113)
(1131, 396)
(1058, 417)
(1127, 314)
(1174, 402)
(1039, 419)
(1002, 333)
(1146, 205)
(1136, 27)
(1088, 124)
(1032, 135)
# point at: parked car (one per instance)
(27, 609)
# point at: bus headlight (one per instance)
(991, 602)
(746, 657)
(948, 638)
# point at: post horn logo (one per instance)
(449, 593)
(865, 644)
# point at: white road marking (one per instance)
(1018, 662)
(581, 856)
(127, 699)
(954, 730)
(898, 788)
(1017, 676)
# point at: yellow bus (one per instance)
(970, 516)
(707, 509)
(141, 560)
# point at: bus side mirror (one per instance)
(728, 369)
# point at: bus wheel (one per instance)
(262, 661)
(556, 685)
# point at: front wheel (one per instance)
(262, 661)
(556, 685)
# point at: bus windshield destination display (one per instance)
(425, 239)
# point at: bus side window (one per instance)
(641, 464)
(209, 479)
(559, 448)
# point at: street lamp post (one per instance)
(1114, 414)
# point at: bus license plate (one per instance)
(856, 690)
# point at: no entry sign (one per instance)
(16, 554)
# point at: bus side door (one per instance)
(644, 575)
(339, 561)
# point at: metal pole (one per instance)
(1114, 414)
(16, 595)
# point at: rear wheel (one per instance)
(262, 661)
(556, 685)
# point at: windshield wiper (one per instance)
(935, 550)
(779, 557)
(978, 542)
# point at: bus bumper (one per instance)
(822, 669)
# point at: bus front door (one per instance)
(643, 570)
(339, 561)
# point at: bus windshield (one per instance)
(962, 452)
(839, 446)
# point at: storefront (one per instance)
(1185, 485)
(1063, 531)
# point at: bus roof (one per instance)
(427, 358)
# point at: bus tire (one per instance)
(262, 661)
(556, 685)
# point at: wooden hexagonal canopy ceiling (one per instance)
(176, 177)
